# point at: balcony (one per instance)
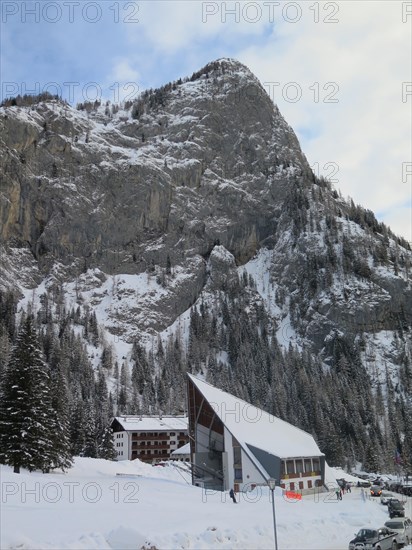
(149, 437)
(144, 446)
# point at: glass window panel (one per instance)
(290, 466)
(238, 474)
(308, 465)
(299, 466)
(237, 455)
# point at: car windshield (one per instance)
(366, 533)
(397, 504)
(394, 525)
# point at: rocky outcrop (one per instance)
(211, 155)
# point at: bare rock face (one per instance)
(222, 272)
(200, 167)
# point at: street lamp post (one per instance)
(272, 486)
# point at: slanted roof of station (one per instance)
(253, 426)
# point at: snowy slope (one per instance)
(92, 507)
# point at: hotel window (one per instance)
(283, 463)
(308, 465)
(290, 464)
(172, 433)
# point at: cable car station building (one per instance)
(236, 445)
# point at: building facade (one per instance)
(236, 445)
(148, 438)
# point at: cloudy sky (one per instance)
(340, 72)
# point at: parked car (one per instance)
(403, 526)
(385, 497)
(395, 486)
(376, 491)
(376, 539)
(407, 489)
(395, 508)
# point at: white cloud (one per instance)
(122, 71)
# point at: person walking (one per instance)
(337, 493)
(232, 495)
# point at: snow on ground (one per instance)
(332, 474)
(259, 268)
(156, 507)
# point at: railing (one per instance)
(302, 474)
(144, 446)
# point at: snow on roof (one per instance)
(184, 450)
(251, 425)
(153, 423)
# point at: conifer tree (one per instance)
(63, 457)
(5, 348)
(26, 418)
(106, 445)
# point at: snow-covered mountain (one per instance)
(192, 216)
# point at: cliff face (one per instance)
(211, 160)
(91, 195)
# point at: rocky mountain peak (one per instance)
(196, 167)
(88, 186)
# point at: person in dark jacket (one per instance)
(232, 495)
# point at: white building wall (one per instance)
(250, 474)
(121, 445)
